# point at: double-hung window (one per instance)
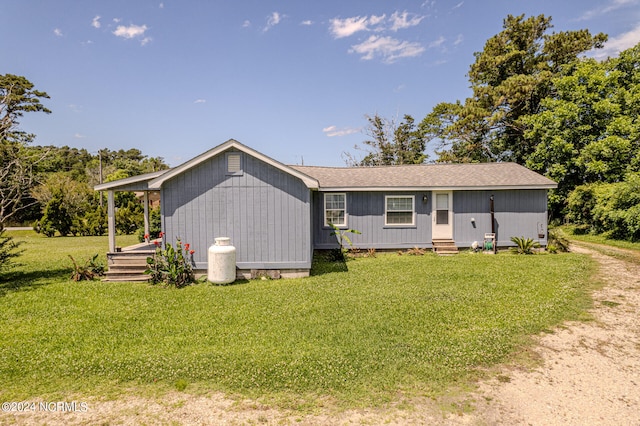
(335, 209)
(399, 210)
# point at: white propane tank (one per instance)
(222, 262)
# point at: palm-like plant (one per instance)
(524, 245)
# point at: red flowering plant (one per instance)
(171, 265)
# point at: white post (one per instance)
(111, 220)
(145, 200)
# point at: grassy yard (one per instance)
(357, 332)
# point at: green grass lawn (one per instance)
(357, 332)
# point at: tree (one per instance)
(391, 143)
(17, 96)
(589, 130)
(509, 79)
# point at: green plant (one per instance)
(524, 245)
(558, 241)
(172, 265)
(8, 249)
(155, 226)
(86, 271)
(341, 235)
(416, 251)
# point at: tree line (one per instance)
(52, 187)
(538, 101)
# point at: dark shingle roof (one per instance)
(428, 176)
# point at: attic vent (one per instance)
(233, 163)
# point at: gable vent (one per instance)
(233, 163)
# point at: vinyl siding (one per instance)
(265, 212)
(365, 212)
(517, 213)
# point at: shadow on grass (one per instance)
(328, 262)
(24, 281)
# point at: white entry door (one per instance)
(442, 215)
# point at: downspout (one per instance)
(493, 224)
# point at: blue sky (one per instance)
(293, 79)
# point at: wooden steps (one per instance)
(127, 265)
(444, 247)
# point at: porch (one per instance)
(129, 263)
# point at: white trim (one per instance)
(431, 188)
(413, 210)
(310, 182)
(439, 231)
(128, 181)
(324, 208)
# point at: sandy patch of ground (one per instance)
(590, 375)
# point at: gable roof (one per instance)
(156, 183)
(473, 176)
(470, 176)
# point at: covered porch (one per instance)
(128, 263)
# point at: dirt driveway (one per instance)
(590, 375)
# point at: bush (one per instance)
(612, 208)
(8, 249)
(56, 217)
(155, 226)
(86, 271)
(558, 241)
(172, 266)
(524, 245)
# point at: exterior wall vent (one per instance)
(234, 163)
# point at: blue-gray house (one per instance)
(276, 215)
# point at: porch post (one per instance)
(145, 201)
(111, 220)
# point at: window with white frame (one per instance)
(399, 209)
(335, 209)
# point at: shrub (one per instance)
(8, 249)
(524, 245)
(86, 271)
(172, 266)
(558, 241)
(155, 226)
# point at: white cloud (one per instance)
(133, 31)
(306, 23)
(347, 27)
(388, 48)
(437, 43)
(400, 21)
(617, 44)
(199, 101)
(274, 19)
(246, 24)
(459, 5)
(459, 40)
(161, 6)
(606, 8)
(79, 136)
(333, 131)
(95, 22)
(57, 32)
